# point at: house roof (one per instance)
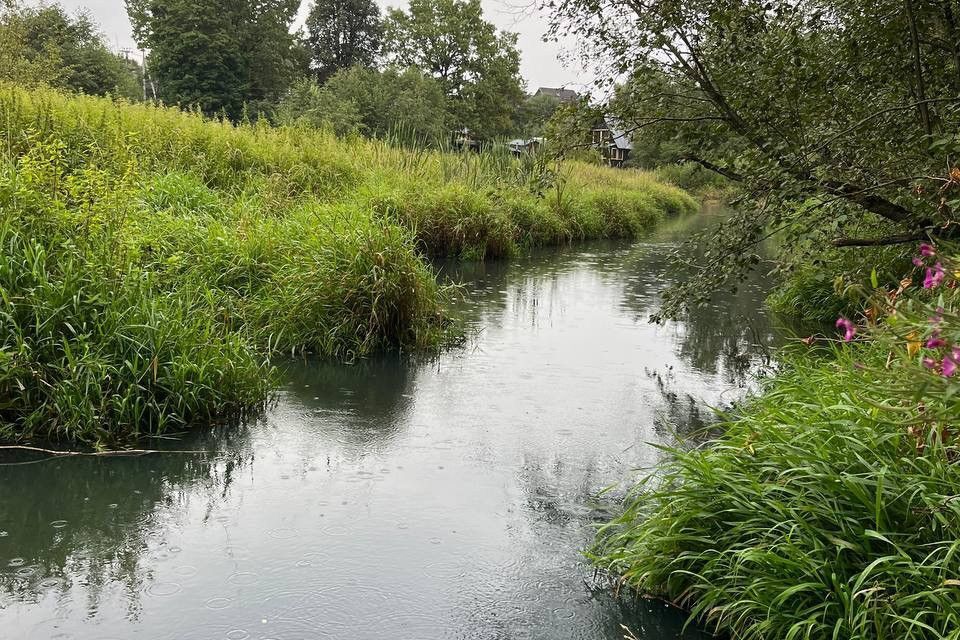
(621, 137)
(520, 142)
(566, 95)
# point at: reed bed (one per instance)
(154, 260)
(827, 507)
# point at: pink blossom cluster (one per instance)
(934, 274)
(949, 362)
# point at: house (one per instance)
(463, 140)
(561, 94)
(610, 137)
(521, 146)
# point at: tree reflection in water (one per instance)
(93, 522)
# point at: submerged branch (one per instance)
(101, 454)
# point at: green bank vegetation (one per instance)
(826, 507)
(153, 259)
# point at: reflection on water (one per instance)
(446, 498)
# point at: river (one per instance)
(444, 497)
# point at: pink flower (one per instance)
(918, 262)
(949, 367)
(927, 250)
(934, 276)
(929, 363)
(849, 329)
(935, 341)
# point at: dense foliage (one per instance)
(43, 45)
(220, 57)
(154, 260)
(478, 68)
(342, 34)
(838, 117)
(826, 507)
(405, 106)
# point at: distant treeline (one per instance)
(432, 69)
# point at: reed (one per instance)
(826, 507)
(155, 260)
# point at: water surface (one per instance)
(440, 498)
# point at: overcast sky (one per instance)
(541, 64)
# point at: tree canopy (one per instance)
(403, 105)
(839, 117)
(45, 45)
(218, 56)
(477, 67)
(342, 34)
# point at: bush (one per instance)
(826, 506)
(155, 260)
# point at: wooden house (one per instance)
(521, 146)
(561, 94)
(612, 140)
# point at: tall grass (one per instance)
(827, 507)
(154, 260)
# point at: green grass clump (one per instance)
(827, 507)
(92, 349)
(155, 260)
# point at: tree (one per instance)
(533, 114)
(838, 117)
(308, 104)
(342, 34)
(393, 103)
(45, 45)
(218, 56)
(477, 67)
(405, 106)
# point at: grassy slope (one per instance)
(826, 509)
(152, 259)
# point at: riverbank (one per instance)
(154, 260)
(827, 506)
(446, 497)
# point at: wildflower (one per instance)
(935, 341)
(948, 367)
(849, 329)
(927, 250)
(934, 276)
(918, 262)
(929, 363)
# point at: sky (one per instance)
(542, 63)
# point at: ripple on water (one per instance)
(243, 578)
(283, 533)
(51, 583)
(16, 562)
(335, 531)
(186, 571)
(237, 634)
(218, 604)
(164, 589)
(27, 572)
